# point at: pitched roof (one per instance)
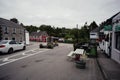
(107, 21)
(117, 17)
(8, 23)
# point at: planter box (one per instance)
(81, 64)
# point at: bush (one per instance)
(68, 41)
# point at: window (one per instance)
(3, 42)
(92, 34)
(14, 30)
(117, 40)
(12, 42)
(21, 39)
(107, 37)
(13, 38)
(6, 30)
(6, 38)
(20, 31)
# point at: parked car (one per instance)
(9, 46)
(43, 45)
(46, 45)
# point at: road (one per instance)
(46, 64)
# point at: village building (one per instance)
(110, 38)
(11, 31)
(39, 36)
(116, 38)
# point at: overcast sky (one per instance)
(59, 13)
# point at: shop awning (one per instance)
(108, 28)
(117, 28)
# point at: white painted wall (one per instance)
(94, 35)
(27, 37)
(115, 55)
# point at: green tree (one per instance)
(31, 28)
(47, 28)
(92, 26)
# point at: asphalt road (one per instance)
(46, 64)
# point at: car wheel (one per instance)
(40, 46)
(24, 47)
(10, 51)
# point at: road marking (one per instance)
(8, 60)
(5, 59)
(18, 54)
(23, 54)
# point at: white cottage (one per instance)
(116, 38)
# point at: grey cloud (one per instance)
(66, 13)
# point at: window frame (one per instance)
(14, 30)
(6, 30)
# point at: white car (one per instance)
(9, 46)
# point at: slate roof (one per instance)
(8, 23)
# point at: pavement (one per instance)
(109, 68)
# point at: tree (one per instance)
(75, 34)
(84, 34)
(92, 26)
(31, 28)
(14, 20)
(47, 28)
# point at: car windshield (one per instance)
(3, 42)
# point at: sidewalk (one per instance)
(109, 68)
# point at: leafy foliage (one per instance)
(31, 28)
(92, 26)
(81, 35)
